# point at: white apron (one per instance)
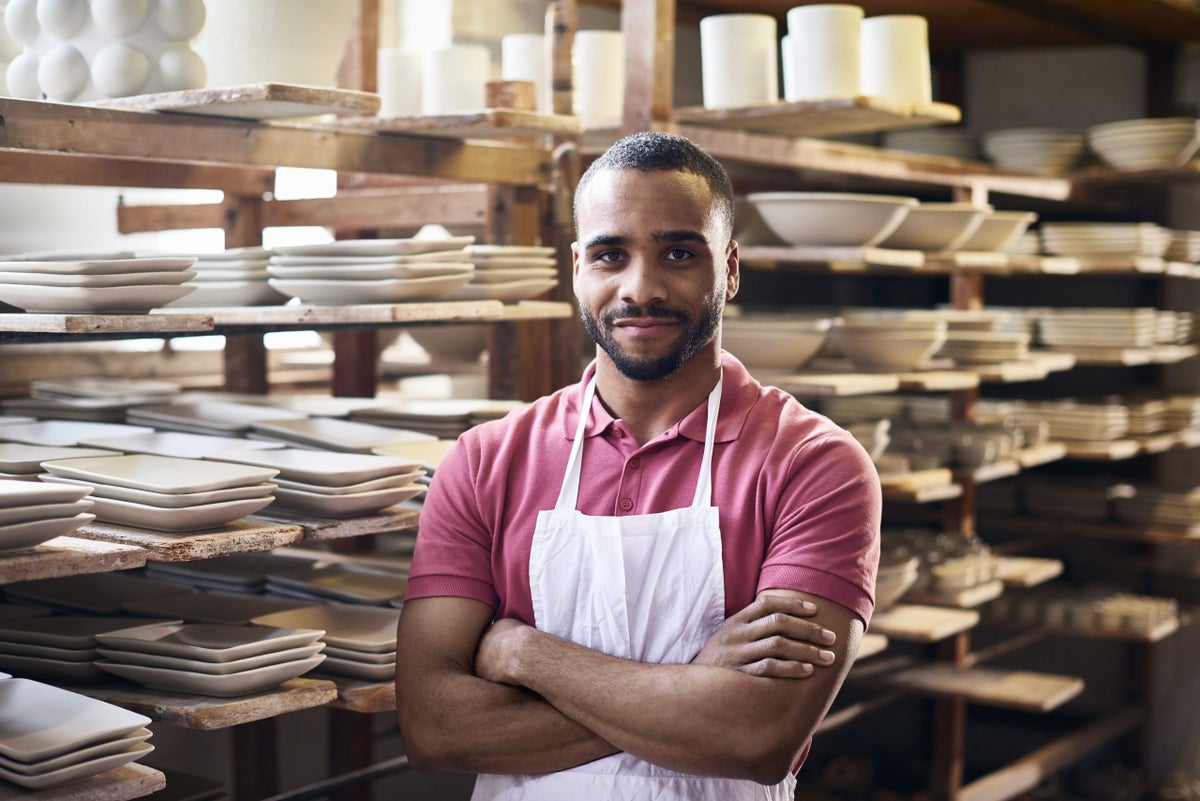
(644, 587)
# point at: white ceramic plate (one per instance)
(336, 435)
(91, 281)
(226, 608)
(358, 628)
(25, 458)
(169, 500)
(50, 668)
(67, 433)
(39, 721)
(362, 657)
(91, 300)
(218, 294)
(370, 272)
(376, 247)
(173, 443)
(348, 505)
(505, 291)
(209, 642)
(488, 264)
(508, 275)
(358, 670)
(177, 520)
(324, 467)
(99, 266)
(161, 473)
(523, 251)
(10, 515)
(337, 292)
(47, 652)
(233, 684)
(387, 482)
(214, 413)
(345, 582)
(79, 770)
(26, 535)
(73, 632)
(121, 656)
(75, 757)
(21, 493)
(430, 454)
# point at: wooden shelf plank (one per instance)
(873, 644)
(937, 380)
(131, 780)
(979, 261)
(489, 123)
(319, 529)
(372, 314)
(1009, 689)
(239, 536)
(1036, 367)
(968, 598)
(1130, 357)
(537, 310)
(832, 117)
(258, 101)
(204, 713)
(830, 384)
(908, 622)
(838, 259)
(186, 322)
(1028, 571)
(994, 471)
(1043, 453)
(68, 556)
(1122, 532)
(364, 696)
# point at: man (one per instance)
(650, 584)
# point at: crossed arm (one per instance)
(506, 698)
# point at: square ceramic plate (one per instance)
(358, 670)
(376, 247)
(338, 292)
(47, 652)
(323, 467)
(24, 458)
(91, 300)
(86, 266)
(79, 770)
(89, 281)
(161, 473)
(226, 608)
(232, 416)
(95, 593)
(27, 513)
(336, 435)
(370, 272)
(39, 721)
(363, 657)
(210, 642)
(227, 686)
(124, 657)
(67, 433)
(53, 669)
(348, 505)
(22, 493)
(358, 628)
(168, 500)
(75, 632)
(345, 582)
(176, 443)
(503, 291)
(387, 482)
(177, 520)
(27, 535)
(75, 757)
(219, 294)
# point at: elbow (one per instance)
(771, 769)
(426, 753)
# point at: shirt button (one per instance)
(626, 504)
(618, 433)
(635, 463)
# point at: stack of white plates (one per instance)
(211, 606)
(165, 493)
(90, 593)
(1183, 411)
(352, 271)
(96, 285)
(328, 433)
(50, 736)
(223, 418)
(31, 513)
(1098, 328)
(56, 647)
(240, 572)
(984, 347)
(1147, 416)
(1074, 420)
(101, 410)
(1028, 243)
(338, 581)
(66, 433)
(1078, 498)
(964, 319)
(1184, 246)
(360, 641)
(429, 454)
(210, 658)
(1152, 505)
(235, 277)
(332, 484)
(445, 418)
(1104, 239)
(1044, 151)
(509, 273)
(23, 462)
(137, 390)
(178, 444)
(956, 143)
(1145, 144)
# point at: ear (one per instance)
(575, 256)
(733, 273)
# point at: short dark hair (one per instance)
(649, 151)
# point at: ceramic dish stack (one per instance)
(1043, 151)
(985, 347)
(1156, 505)
(166, 493)
(23, 462)
(957, 143)
(223, 418)
(210, 658)
(240, 572)
(61, 647)
(1104, 239)
(1146, 416)
(363, 271)
(884, 341)
(999, 231)
(444, 419)
(1145, 144)
(1073, 420)
(340, 582)
(90, 593)
(1184, 246)
(1183, 411)
(235, 277)
(89, 398)
(177, 444)
(327, 433)
(1078, 328)
(65, 433)
(50, 736)
(31, 513)
(360, 641)
(117, 283)
(509, 273)
(774, 342)
(332, 484)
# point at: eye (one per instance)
(678, 254)
(608, 256)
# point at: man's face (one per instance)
(653, 268)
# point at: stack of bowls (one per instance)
(774, 342)
(937, 227)
(1044, 151)
(831, 219)
(1145, 144)
(883, 341)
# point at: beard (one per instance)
(696, 334)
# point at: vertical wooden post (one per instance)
(245, 355)
(562, 18)
(255, 760)
(649, 29)
(950, 727)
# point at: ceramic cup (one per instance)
(523, 58)
(399, 80)
(598, 63)
(895, 58)
(739, 58)
(454, 79)
(821, 52)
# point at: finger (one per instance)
(768, 602)
(779, 669)
(782, 648)
(794, 628)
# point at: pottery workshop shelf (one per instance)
(492, 123)
(1028, 571)
(17, 326)
(968, 598)
(833, 117)
(240, 536)
(1089, 529)
(323, 529)
(68, 556)
(1131, 357)
(1023, 690)
(129, 781)
(1127, 448)
(907, 622)
(259, 101)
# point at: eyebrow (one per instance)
(682, 235)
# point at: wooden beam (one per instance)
(562, 18)
(649, 29)
(72, 170)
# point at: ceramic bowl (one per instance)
(780, 343)
(831, 219)
(878, 347)
(895, 577)
(1044, 151)
(456, 343)
(936, 227)
(999, 230)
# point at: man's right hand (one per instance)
(771, 637)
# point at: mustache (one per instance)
(632, 310)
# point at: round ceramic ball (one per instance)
(180, 19)
(120, 69)
(22, 77)
(10, 48)
(62, 19)
(20, 17)
(63, 73)
(181, 68)
(120, 17)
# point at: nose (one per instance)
(643, 283)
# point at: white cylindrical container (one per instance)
(398, 76)
(523, 58)
(821, 52)
(454, 79)
(739, 60)
(598, 63)
(895, 58)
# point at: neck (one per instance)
(649, 408)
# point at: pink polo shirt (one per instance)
(799, 498)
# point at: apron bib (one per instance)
(644, 587)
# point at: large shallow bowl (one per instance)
(934, 227)
(831, 219)
(774, 343)
(999, 230)
(894, 579)
(875, 347)
(456, 343)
